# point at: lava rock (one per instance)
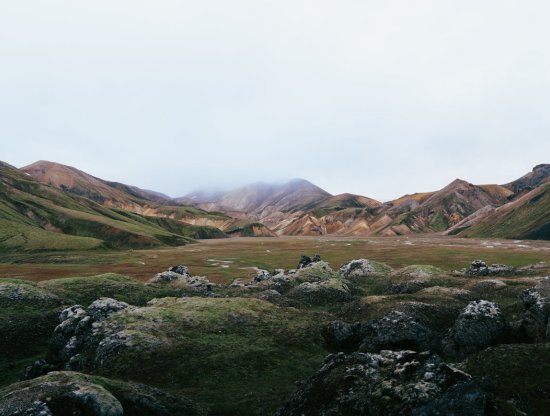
(397, 330)
(103, 307)
(535, 323)
(306, 260)
(321, 292)
(71, 393)
(262, 275)
(480, 268)
(388, 383)
(173, 273)
(480, 325)
(356, 268)
(411, 286)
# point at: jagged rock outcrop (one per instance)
(480, 268)
(413, 326)
(411, 286)
(397, 330)
(535, 323)
(326, 291)
(172, 273)
(262, 275)
(73, 334)
(180, 277)
(71, 393)
(306, 260)
(388, 383)
(356, 268)
(479, 325)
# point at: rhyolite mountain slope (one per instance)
(446, 207)
(531, 180)
(35, 216)
(259, 198)
(81, 183)
(123, 197)
(300, 208)
(527, 217)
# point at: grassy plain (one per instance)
(223, 260)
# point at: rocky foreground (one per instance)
(364, 339)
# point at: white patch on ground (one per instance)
(408, 243)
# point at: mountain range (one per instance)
(48, 205)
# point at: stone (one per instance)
(479, 325)
(480, 268)
(321, 292)
(269, 295)
(411, 286)
(356, 268)
(173, 273)
(536, 300)
(397, 330)
(101, 308)
(71, 393)
(262, 275)
(489, 284)
(388, 383)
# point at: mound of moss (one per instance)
(84, 290)
(233, 355)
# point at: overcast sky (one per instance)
(379, 98)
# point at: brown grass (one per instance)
(227, 259)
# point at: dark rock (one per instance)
(356, 268)
(306, 260)
(411, 286)
(321, 292)
(480, 268)
(70, 393)
(262, 275)
(342, 336)
(397, 330)
(103, 307)
(269, 295)
(36, 408)
(180, 269)
(388, 383)
(172, 273)
(73, 335)
(535, 322)
(480, 325)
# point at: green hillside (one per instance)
(526, 218)
(35, 216)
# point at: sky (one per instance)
(379, 98)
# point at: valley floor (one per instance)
(224, 260)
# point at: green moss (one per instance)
(235, 355)
(84, 290)
(521, 373)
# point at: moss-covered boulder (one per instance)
(236, 355)
(71, 393)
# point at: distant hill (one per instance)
(35, 216)
(259, 197)
(528, 217)
(531, 180)
(70, 179)
(442, 209)
(46, 200)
